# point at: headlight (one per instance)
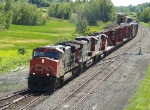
(33, 73)
(47, 74)
(42, 60)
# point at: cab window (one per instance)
(38, 54)
(52, 55)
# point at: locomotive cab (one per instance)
(92, 44)
(46, 53)
(82, 50)
(44, 68)
(44, 56)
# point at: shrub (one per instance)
(61, 40)
(88, 31)
(22, 50)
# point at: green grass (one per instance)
(31, 37)
(145, 24)
(10, 59)
(141, 99)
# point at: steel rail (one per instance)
(16, 100)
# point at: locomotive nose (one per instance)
(43, 66)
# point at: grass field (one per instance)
(30, 37)
(33, 36)
(141, 99)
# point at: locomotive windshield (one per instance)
(52, 55)
(46, 54)
(38, 54)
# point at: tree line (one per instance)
(80, 12)
(144, 16)
(130, 8)
(83, 13)
(19, 12)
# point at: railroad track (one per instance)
(14, 98)
(14, 94)
(20, 100)
(74, 99)
(27, 105)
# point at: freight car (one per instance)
(52, 65)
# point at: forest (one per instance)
(30, 12)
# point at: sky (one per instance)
(128, 2)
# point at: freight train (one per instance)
(52, 65)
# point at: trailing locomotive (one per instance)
(52, 65)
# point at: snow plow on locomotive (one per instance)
(52, 65)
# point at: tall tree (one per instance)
(2, 20)
(8, 5)
(27, 14)
(81, 20)
(130, 8)
(8, 19)
(6, 14)
(144, 16)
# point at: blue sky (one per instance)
(128, 2)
